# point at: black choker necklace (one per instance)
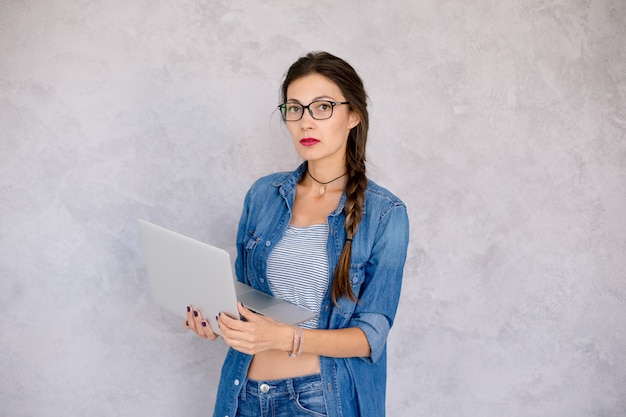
(323, 184)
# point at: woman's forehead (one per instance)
(313, 87)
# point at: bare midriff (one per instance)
(276, 364)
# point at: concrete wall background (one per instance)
(502, 124)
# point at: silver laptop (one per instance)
(183, 271)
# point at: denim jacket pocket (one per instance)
(250, 242)
(357, 276)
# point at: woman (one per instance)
(323, 237)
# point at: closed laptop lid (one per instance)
(183, 271)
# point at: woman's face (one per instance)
(320, 140)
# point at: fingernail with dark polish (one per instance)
(204, 324)
(188, 309)
(195, 313)
(187, 323)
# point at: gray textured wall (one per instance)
(502, 124)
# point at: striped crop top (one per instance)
(297, 268)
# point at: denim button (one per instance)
(268, 243)
(262, 279)
(236, 382)
(264, 388)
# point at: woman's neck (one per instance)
(322, 178)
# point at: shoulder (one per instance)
(380, 199)
(262, 189)
(269, 180)
(286, 180)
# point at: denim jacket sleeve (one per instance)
(241, 237)
(379, 293)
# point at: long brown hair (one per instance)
(345, 77)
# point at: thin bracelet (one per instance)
(293, 353)
(301, 341)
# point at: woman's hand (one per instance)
(200, 326)
(256, 334)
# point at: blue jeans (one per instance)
(293, 397)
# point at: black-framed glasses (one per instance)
(318, 109)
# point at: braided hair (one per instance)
(345, 77)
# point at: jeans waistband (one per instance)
(283, 386)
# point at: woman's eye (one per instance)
(293, 109)
(323, 106)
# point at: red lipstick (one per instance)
(308, 141)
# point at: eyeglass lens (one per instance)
(319, 110)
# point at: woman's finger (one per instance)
(198, 320)
(246, 313)
(190, 323)
(208, 331)
(198, 324)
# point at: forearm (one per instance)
(259, 333)
(336, 343)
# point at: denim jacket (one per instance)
(353, 386)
